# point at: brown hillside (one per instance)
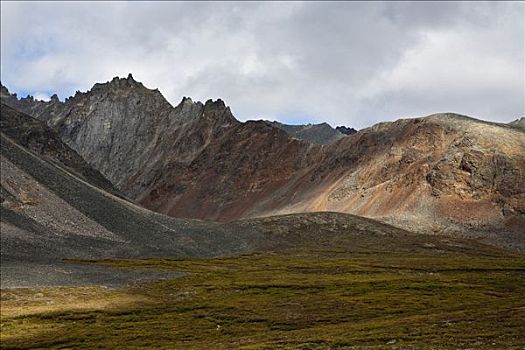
(444, 173)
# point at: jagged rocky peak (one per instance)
(119, 83)
(186, 100)
(26, 104)
(215, 104)
(3, 90)
(322, 134)
(218, 112)
(6, 96)
(187, 105)
(345, 130)
(518, 123)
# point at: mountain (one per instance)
(34, 135)
(321, 134)
(131, 133)
(55, 207)
(346, 130)
(445, 173)
(518, 123)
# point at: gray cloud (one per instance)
(352, 63)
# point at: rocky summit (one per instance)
(321, 134)
(440, 174)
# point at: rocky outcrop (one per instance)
(129, 132)
(320, 134)
(36, 136)
(518, 123)
(346, 130)
(444, 173)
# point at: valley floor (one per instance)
(291, 300)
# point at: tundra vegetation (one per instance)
(296, 299)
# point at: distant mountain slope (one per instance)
(444, 173)
(346, 130)
(321, 134)
(518, 123)
(51, 209)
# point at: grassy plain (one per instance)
(290, 300)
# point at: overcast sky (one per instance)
(351, 63)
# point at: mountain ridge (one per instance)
(51, 211)
(321, 134)
(444, 173)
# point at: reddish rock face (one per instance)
(444, 173)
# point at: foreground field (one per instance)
(301, 299)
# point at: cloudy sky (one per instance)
(352, 63)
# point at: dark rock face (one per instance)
(127, 131)
(346, 130)
(320, 134)
(44, 141)
(28, 105)
(444, 173)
